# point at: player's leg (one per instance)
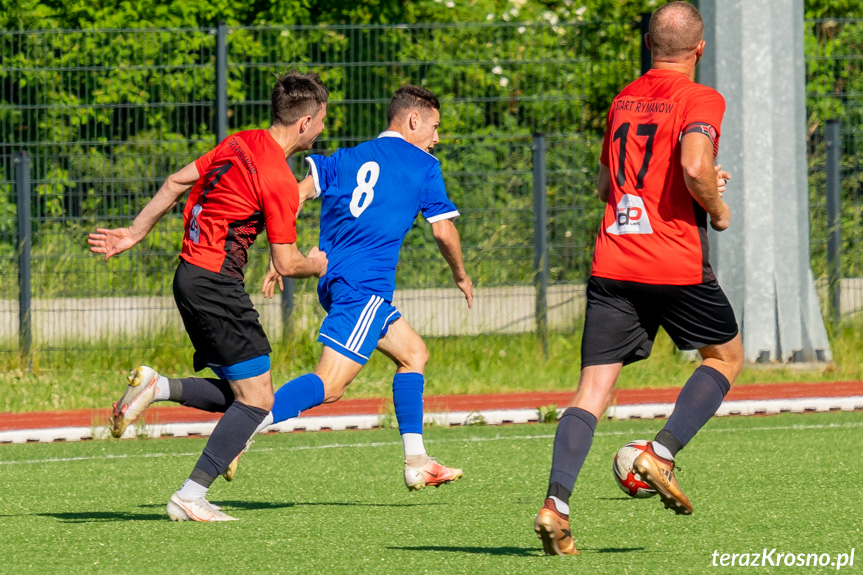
(146, 387)
(346, 335)
(349, 334)
(203, 305)
(408, 351)
(252, 385)
(695, 317)
(325, 385)
(614, 334)
(351, 317)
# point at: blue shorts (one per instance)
(355, 321)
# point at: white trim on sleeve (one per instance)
(446, 216)
(313, 170)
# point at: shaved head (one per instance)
(676, 29)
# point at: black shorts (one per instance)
(622, 319)
(219, 317)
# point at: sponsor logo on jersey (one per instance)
(631, 217)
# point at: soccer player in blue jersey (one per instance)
(370, 196)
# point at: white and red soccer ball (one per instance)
(627, 479)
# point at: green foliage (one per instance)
(548, 413)
(834, 85)
(106, 113)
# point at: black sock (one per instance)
(175, 390)
(572, 441)
(698, 401)
(206, 394)
(229, 438)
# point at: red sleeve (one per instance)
(203, 163)
(604, 157)
(280, 199)
(707, 106)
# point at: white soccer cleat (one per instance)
(137, 397)
(195, 510)
(432, 474)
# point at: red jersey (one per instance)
(244, 188)
(654, 231)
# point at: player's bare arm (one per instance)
(114, 241)
(449, 244)
(603, 184)
(307, 191)
(701, 178)
(287, 261)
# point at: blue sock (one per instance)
(297, 396)
(408, 401)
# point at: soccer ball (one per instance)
(627, 479)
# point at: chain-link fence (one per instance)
(105, 115)
(834, 90)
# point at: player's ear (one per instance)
(305, 121)
(647, 41)
(699, 51)
(414, 119)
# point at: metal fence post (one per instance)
(25, 236)
(646, 61)
(288, 307)
(221, 82)
(833, 143)
(540, 240)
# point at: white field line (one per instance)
(471, 439)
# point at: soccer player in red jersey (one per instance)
(651, 265)
(239, 189)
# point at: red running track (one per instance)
(438, 404)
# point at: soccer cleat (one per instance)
(195, 510)
(431, 474)
(231, 471)
(552, 528)
(658, 472)
(138, 395)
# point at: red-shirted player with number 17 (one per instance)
(651, 265)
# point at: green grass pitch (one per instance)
(334, 502)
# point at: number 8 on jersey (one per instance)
(364, 193)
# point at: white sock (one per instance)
(191, 490)
(561, 506)
(413, 444)
(662, 451)
(163, 391)
(268, 421)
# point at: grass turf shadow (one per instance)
(103, 516)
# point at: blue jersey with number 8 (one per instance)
(370, 197)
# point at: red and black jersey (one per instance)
(245, 187)
(654, 231)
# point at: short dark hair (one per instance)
(675, 30)
(408, 97)
(296, 95)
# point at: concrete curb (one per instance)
(764, 406)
